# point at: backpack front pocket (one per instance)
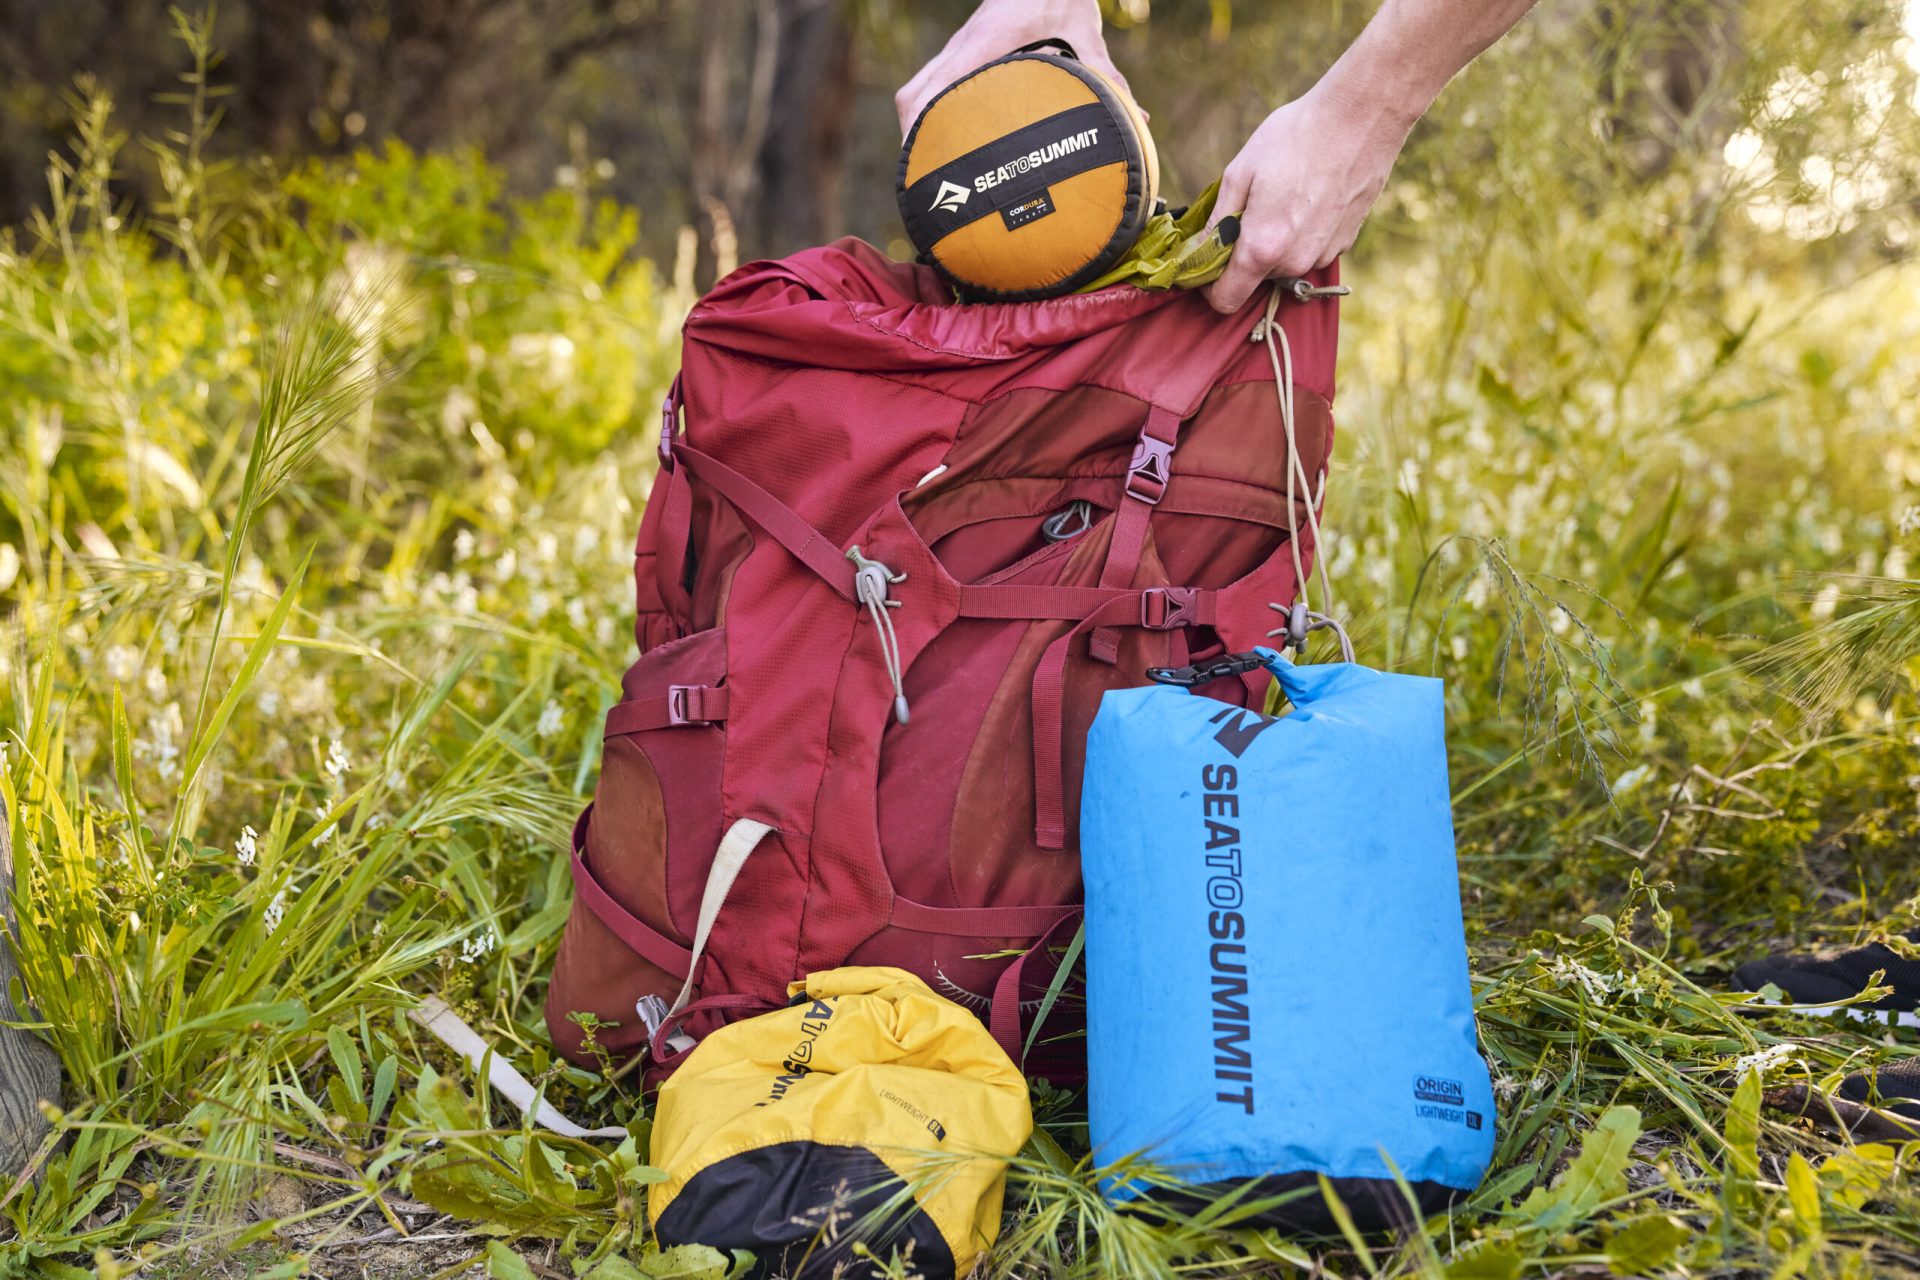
(642, 850)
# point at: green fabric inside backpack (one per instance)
(1175, 252)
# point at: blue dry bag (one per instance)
(1277, 979)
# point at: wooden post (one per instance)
(29, 1068)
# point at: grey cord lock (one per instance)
(872, 584)
(1303, 622)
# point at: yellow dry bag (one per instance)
(868, 1110)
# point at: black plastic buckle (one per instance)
(1233, 664)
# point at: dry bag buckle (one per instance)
(1234, 664)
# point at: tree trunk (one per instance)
(803, 159)
(29, 1068)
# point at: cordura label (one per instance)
(1025, 211)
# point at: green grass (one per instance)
(314, 530)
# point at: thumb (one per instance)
(1236, 284)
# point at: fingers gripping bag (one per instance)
(1277, 983)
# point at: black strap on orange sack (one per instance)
(1027, 178)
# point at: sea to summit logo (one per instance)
(1239, 727)
(949, 197)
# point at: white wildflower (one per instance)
(133, 921)
(552, 719)
(268, 700)
(1694, 688)
(474, 949)
(311, 696)
(1629, 782)
(1766, 1058)
(161, 741)
(1410, 477)
(247, 847)
(463, 545)
(1826, 602)
(1598, 986)
(122, 663)
(1477, 591)
(156, 682)
(507, 565)
(9, 565)
(276, 911)
(1909, 520)
(336, 764)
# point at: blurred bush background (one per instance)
(332, 337)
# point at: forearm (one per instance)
(1410, 50)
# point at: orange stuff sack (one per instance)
(1027, 178)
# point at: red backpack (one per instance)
(896, 552)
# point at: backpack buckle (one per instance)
(1151, 466)
(687, 704)
(1164, 608)
(669, 419)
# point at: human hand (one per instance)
(997, 28)
(1302, 185)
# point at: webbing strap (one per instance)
(976, 922)
(451, 1030)
(774, 517)
(684, 704)
(1067, 604)
(1159, 609)
(670, 544)
(1147, 478)
(1003, 1017)
(667, 1048)
(742, 838)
